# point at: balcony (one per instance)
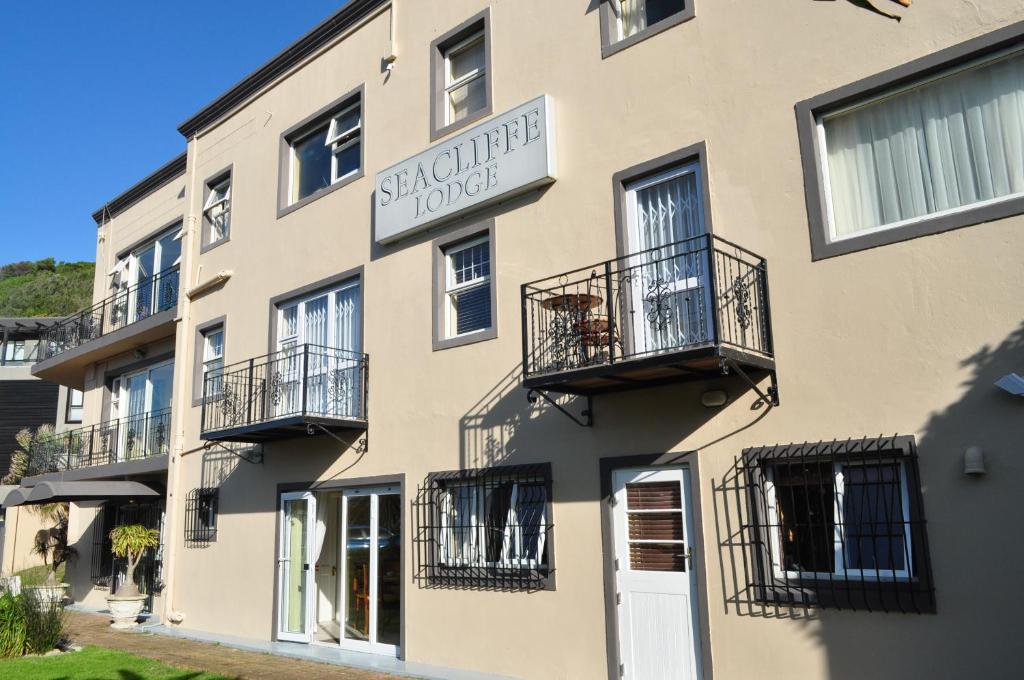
(131, 317)
(128, 441)
(689, 310)
(305, 389)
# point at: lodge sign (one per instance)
(508, 155)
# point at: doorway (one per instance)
(656, 586)
(340, 568)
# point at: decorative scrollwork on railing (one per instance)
(338, 386)
(741, 291)
(230, 406)
(275, 388)
(658, 303)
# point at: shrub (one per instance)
(12, 626)
(44, 623)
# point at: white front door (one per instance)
(371, 569)
(668, 265)
(295, 582)
(656, 588)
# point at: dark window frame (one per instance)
(303, 128)
(202, 505)
(808, 111)
(480, 22)
(205, 244)
(430, 572)
(218, 323)
(868, 593)
(611, 44)
(440, 247)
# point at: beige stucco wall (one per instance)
(901, 339)
(21, 525)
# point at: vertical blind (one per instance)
(951, 142)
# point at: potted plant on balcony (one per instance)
(130, 541)
(52, 545)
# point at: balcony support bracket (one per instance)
(250, 453)
(769, 397)
(587, 415)
(361, 446)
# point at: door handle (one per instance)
(305, 567)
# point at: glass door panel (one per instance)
(167, 285)
(142, 300)
(295, 586)
(315, 337)
(372, 569)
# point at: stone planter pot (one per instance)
(125, 610)
(48, 595)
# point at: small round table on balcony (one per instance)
(579, 337)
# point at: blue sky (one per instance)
(92, 92)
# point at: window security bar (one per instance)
(301, 381)
(837, 525)
(150, 296)
(484, 529)
(113, 441)
(201, 507)
(694, 293)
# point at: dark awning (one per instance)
(55, 492)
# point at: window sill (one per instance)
(344, 181)
(207, 247)
(438, 133)
(663, 25)
(467, 339)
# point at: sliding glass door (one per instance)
(295, 584)
(141, 405)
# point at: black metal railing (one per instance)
(304, 380)
(113, 441)
(135, 303)
(696, 292)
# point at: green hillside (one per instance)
(45, 287)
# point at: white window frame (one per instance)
(452, 552)
(212, 201)
(822, 118)
(452, 290)
(838, 540)
(208, 356)
(451, 85)
(71, 406)
(337, 140)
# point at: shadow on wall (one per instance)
(975, 568)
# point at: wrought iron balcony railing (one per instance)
(286, 393)
(150, 296)
(698, 293)
(114, 441)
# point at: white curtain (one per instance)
(633, 20)
(947, 144)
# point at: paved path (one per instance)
(92, 629)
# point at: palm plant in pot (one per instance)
(52, 545)
(130, 541)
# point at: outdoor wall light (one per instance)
(714, 398)
(974, 461)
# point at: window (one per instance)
(76, 401)
(201, 516)
(926, 147)
(626, 22)
(217, 211)
(326, 152)
(14, 350)
(213, 360)
(841, 524)
(461, 76)
(487, 527)
(468, 288)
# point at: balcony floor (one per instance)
(289, 427)
(685, 365)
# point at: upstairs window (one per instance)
(14, 351)
(325, 151)
(461, 76)
(76, 400)
(217, 211)
(213, 360)
(468, 287)
(627, 22)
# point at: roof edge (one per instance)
(317, 37)
(175, 168)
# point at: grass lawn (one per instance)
(36, 576)
(96, 663)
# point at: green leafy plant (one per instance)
(13, 627)
(44, 623)
(52, 543)
(45, 288)
(37, 452)
(131, 541)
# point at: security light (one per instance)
(1012, 383)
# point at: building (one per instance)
(26, 402)
(577, 340)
